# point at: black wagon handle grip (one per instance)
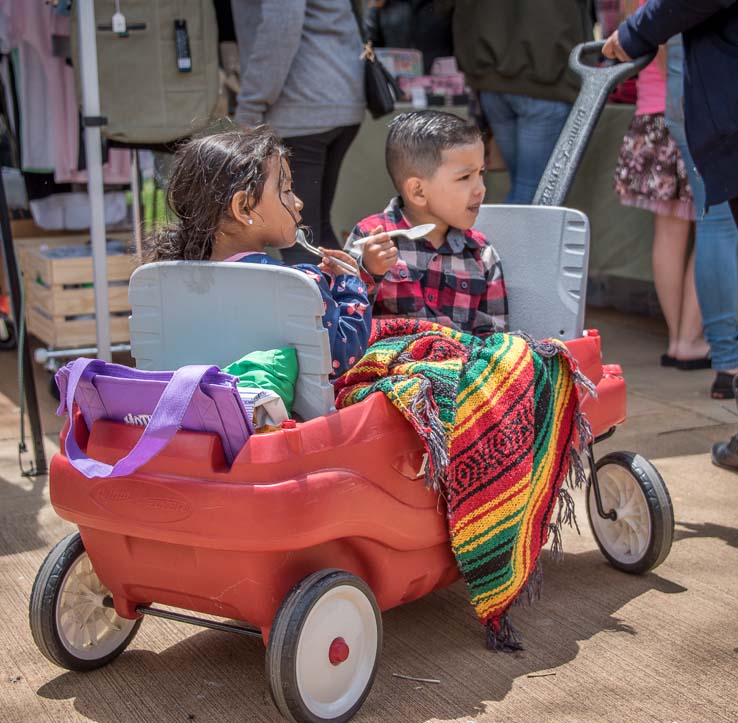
(599, 79)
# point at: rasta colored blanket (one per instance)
(500, 420)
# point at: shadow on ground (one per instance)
(221, 678)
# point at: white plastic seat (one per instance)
(545, 259)
(204, 312)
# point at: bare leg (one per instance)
(670, 239)
(691, 343)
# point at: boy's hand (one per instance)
(379, 253)
(329, 265)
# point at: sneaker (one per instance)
(725, 454)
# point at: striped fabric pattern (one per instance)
(499, 418)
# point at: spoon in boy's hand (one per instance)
(413, 233)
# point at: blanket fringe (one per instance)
(502, 636)
(566, 514)
(531, 591)
(423, 407)
(557, 547)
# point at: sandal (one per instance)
(667, 360)
(722, 387)
(688, 365)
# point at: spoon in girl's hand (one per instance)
(413, 233)
(302, 241)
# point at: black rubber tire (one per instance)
(660, 511)
(42, 608)
(281, 673)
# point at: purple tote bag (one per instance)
(198, 398)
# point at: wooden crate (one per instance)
(60, 298)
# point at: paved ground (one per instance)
(601, 645)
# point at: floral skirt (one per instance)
(650, 172)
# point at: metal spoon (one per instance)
(302, 241)
(413, 233)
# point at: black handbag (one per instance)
(380, 87)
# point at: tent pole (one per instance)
(29, 382)
(93, 153)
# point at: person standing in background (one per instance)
(651, 174)
(515, 53)
(710, 33)
(301, 72)
(409, 24)
(716, 244)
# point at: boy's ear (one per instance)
(413, 190)
(239, 208)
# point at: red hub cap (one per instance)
(338, 652)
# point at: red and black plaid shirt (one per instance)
(459, 284)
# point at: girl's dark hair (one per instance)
(206, 173)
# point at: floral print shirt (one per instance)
(348, 312)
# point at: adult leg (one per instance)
(671, 236)
(539, 126)
(504, 124)
(734, 209)
(307, 162)
(691, 343)
(716, 270)
(335, 153)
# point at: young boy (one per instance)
(453, 276)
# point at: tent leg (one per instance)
(29, 383)
(92, 123)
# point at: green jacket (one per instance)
(520, 46)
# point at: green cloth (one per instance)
(275, 369)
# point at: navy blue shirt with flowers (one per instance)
(348, 311)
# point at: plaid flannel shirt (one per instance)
(460, 284)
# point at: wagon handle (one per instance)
(597, 84)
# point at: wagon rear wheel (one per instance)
(69, 622)
(640, 538)
(324, 647)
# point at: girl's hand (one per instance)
(329, 266)
(379, 253)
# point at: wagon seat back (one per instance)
(545, 258)
(204, 312)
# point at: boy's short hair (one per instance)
(417, 140)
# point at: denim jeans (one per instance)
(526, 130)
(716, 238)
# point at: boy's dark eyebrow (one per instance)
(467, 169)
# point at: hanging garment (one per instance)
(49, 132)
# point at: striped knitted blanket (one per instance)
(499, 418)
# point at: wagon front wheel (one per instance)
(70, 624)
(323, 648)
(640, 537)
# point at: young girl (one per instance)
(651, 174)
(232, 196)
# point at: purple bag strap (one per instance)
(163, 425)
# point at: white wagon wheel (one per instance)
(640, 537)
(324, 647)
(69, 622)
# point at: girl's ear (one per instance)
(413, 191)
(240, 208)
